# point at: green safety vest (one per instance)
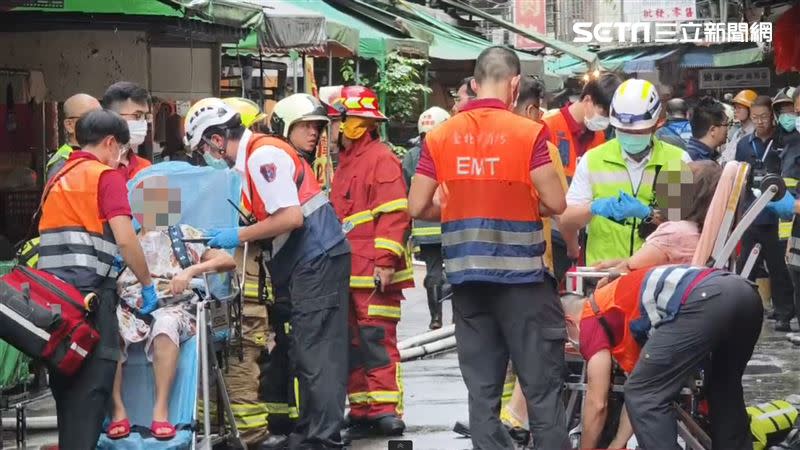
(608, 175)
(425, 232)
(59, 157)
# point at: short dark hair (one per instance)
(602, 89)
(706, 177)
(763, 100)
(123, 91)
(94, 126)
(496, 63)
(233, 129)
(707, 113)
(530, 89)
(468, 83)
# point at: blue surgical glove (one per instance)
(118, 263)
(784, 207)
(630, 206)
(137, 227)
(605, 207)
(223, 238)
(149, 299)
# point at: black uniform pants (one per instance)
(431, 254)
(721, 318)
(83, 400)
(773, 251)
(525, 322)
(276, 382)
(794, 275)
(320, 292)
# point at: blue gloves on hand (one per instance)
(784, 207)
(630, 206)
(604, 207)
(149, 299)
(223, 238)
(118, 263)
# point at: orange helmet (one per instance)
(745, 98)
(360, 101)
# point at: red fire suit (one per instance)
(369, 196)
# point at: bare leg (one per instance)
(165, 362)
(624, 431)
(118, 407)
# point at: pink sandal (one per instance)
(124, 427)
(156, 426)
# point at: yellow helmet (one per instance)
(745, 98)
(247, 109)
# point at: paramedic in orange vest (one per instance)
(699, 312)
(369, 195)
(85, 223)
(307, 253)
(580, 126)
(132, 102)
(496, 181)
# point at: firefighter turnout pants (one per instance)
(375, 387)
(526, 323)
(319, 291)
(82, 400)
(721, 318)
(277, 385)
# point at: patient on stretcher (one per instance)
(168, 326)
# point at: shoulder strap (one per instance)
(178, 246)
(257, 142)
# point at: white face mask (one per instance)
(596, 122)
(138, 130)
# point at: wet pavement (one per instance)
(435, 395)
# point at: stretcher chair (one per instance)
(205, 193)
(715, 249)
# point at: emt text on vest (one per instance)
(466, 165)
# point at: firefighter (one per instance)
(701, 313)
(308, 255)
(369, 195)
(612, 190)
(428, 235)
(742, 124)
(85, 223)
(495, 180)
(580, 126)
(74, 108)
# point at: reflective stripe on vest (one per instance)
(608, 175)
(491, 229)
(75, 243)
(793, 252)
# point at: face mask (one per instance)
(138, 130)
(355, 127)
(214, 162)
(633, 144)
(788, 121)
(596, 123)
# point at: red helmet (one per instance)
(360, 101)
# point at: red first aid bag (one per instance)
(45, 318)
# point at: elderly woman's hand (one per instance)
(610, 264)
(180, 282)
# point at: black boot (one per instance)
(435, 307)
(390, 426)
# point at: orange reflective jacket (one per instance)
(561, 136)
(76, 243)
(491, 229)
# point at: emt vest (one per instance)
(608, 175)
(491, 229)
(76, 244)
(321, 230)
(561, 136)
(622, 295)
(664, 290)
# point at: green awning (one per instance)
(568, 65)
(446, 41)
(721, 56)
(373, 43)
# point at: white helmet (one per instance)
(204, 114)
(296, 108)
(430, 118)
(635, 106)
